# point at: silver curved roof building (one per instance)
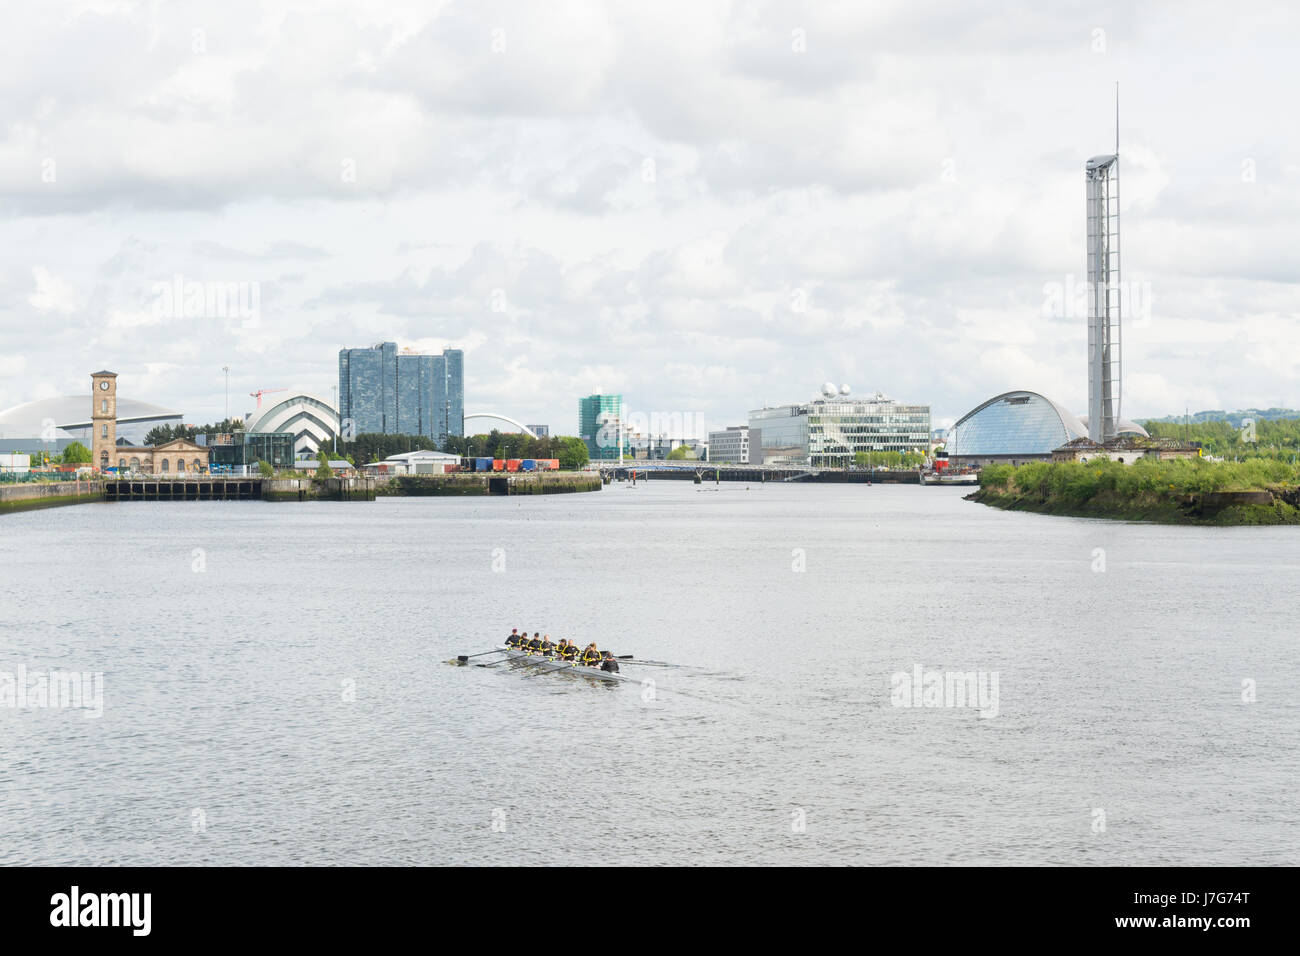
(69, 416)
(1122, 427)
(1013, 426)
(313, 421)
(1018, 426)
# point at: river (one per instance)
(274, 685)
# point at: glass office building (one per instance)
(361, 390)
(828, 433)
(730, 446)
(244, 449)
(408, 393)
(600, 425)
(454, 400)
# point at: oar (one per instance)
(465, 657)
(629, 659)
(537, 663)
(504, 660)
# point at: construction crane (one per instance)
(265, 391)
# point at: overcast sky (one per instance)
(704, 206)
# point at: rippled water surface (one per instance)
(275, 688)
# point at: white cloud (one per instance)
(650, 187)
(52, 294)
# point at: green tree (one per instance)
(373, 446)
(323, 470)
(879, 459)
(264, 469)
(571, 451)
(158, 435)
(682, 453)
(457, 445)
(1263, 438)
(76, 454)
(161, 434)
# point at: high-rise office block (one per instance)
(454, 360)
(600, 425)
(386, 392)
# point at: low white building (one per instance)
(340, 466)
(15, 464)
(731, 445)
(413, 463)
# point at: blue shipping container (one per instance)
(482, 464)
(528, 464)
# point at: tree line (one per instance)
(889, 459)
(368, 447)
(161, 434)
(1278, 440)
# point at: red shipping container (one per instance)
(551, 464)
(512, 464)
(498, 464)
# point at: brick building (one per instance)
(176, 457)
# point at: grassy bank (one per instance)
(1255, 492)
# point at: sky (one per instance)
(706, 207)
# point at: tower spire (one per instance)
(1117, 117)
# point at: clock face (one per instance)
(103, 386)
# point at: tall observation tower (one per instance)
(1104, 363)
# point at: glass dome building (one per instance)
(51, 424)
(1016, 427)
(1013, 427)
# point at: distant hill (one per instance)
(1232, 418)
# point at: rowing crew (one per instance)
(564, 650)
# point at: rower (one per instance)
(569, 651)
(535, 644)
(608, 663)
(547, 647)
(591, 656)
(513, 639)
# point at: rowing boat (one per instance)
(541, 663)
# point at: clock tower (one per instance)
(103, 419)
